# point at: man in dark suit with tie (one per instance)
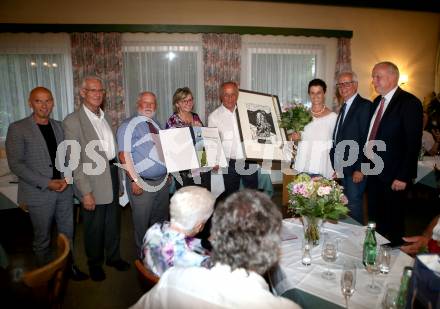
(398, 122)
(351, 126)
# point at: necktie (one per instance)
(377, 120)
(152, 128)
(340, 122)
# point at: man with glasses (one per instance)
(146, 179)
(96, 178)
(397, 123)
(351, 125)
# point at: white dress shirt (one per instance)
(218, 287)
(226, 122)
(388, 98)
(104, 132)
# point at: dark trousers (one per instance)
(205, 180)
(387, 208)
(234, 176)
(102, 228)
(355, 194)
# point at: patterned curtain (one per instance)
(100, 54)
(343, 63)
(221, 58)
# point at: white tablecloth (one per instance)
(425, 167)
(291, 274)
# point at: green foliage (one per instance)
(295, 118)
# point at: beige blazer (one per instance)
(78, 127)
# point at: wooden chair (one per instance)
(46, 282)
(150, 277)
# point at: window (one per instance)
(161, 63)
(30, 60)
(284, 65)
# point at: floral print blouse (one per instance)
(164, 247)
(176, 122)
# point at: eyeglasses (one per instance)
(187, 101)
(344, 84)
(101, 91)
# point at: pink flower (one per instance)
(343, 199)
(300, 189)
(324, 190)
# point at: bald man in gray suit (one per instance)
(31, 146)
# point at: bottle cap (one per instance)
(372, 224)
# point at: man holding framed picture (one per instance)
(225, 119)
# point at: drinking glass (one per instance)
(373, 268)
(385, 259)
(389, 300)
(329, 254)
(348, 281)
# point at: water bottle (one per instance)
(370, 245)
(403, 290)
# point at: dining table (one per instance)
(304, 284)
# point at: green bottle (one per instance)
(370, 245)
(404, 285)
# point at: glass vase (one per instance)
(312, 229)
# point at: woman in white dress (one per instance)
(315, 141)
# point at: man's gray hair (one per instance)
(191, 205)
(353, 75)
(246, 232)
(392, 68)
(91, 77)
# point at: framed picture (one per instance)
(258, 116)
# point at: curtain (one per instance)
(221, 59)
(161, 63)
(100, 54)
(343, 64)
(28, 60)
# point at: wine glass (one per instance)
(389, 300)
(373, 267)
(329, 254)
(348, 281)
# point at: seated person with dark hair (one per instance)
(245, 239)
(171, 243)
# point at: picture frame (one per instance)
(258, 118)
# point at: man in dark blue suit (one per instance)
(397, 121)
(351, 127)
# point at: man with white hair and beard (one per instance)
(146, 177)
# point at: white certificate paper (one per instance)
(192, 148)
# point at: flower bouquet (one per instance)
(316, 199)
(295, 117)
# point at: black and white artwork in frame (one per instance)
(258, 116)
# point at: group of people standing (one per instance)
(387, 136)
(395, 117)
(32, 144)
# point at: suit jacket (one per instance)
(401, 129)
(355, 128)
(78, 127)
(29, 159)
